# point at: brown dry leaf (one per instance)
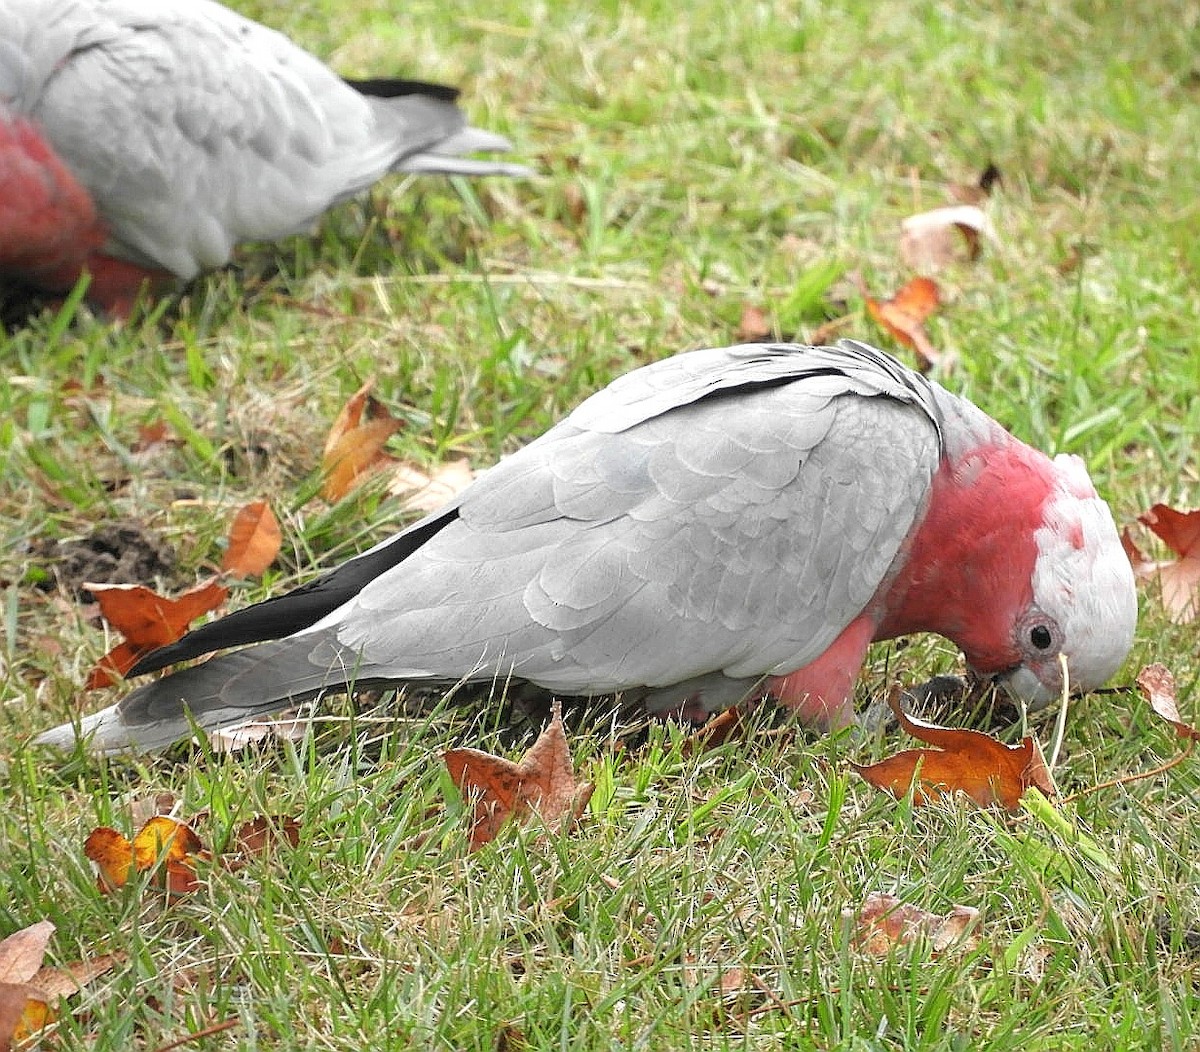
(543, 783)
(904, 316)
(929, 241)
(1179, 579)
(754, 326)
(147, 621)
(884, 922)
(1157, 685)
(428, 492)
(57, 983)
(28, 989)
(22, 952)
(254, 541)
(150, 435)
(966, 761)
(175, 843)
(262, 835)
(354, 448)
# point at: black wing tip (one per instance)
(394, 87)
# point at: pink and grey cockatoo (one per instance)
(143, 139)
(714, 527)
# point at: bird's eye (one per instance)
(1040, 637)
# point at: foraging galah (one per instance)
(715, 526)
(142, 139)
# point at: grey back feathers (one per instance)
(194, 128)
(715, 517)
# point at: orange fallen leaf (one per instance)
(1157, 685)
(884, 922)
(929, 240)
(1179, 579)
(147, 621)
(904, 316)
(354, 448)
(23, 1012)
(543, 783)
(966, 761)
(162, 838)
(254, 541)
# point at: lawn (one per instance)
(695, 160)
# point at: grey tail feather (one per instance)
(225, 690)
(436, 164)
(447, 157)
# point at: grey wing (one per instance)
(738, 534)
(195, 128)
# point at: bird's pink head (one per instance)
(1084, 605)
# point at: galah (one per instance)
(717, 526)
(142, 139)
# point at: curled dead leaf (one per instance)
(354, 449)
(929, 241)
(1157, 685)
(884, 922)
(147, 620)
(254, 541)
(1178, 578)
(161, 840)
(966, 761)
(904, 316)
(543, 783)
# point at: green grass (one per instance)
(695, 158)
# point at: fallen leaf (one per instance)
(428, 492)
(929, 241)
(29, 989)
(904, 316)
(163, 839)
(23, 1012)
(284, 727)
(884, 922)
(254, 541)
(147, 621)
(1179, 579)
(57, 983)
(150, 435)
(262, 835)
(966, 761)
(754, 326)
(543, 783)
(354, 448)
(1157, 685)
(22, 952)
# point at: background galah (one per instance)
(712, 527)
(145, 138)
